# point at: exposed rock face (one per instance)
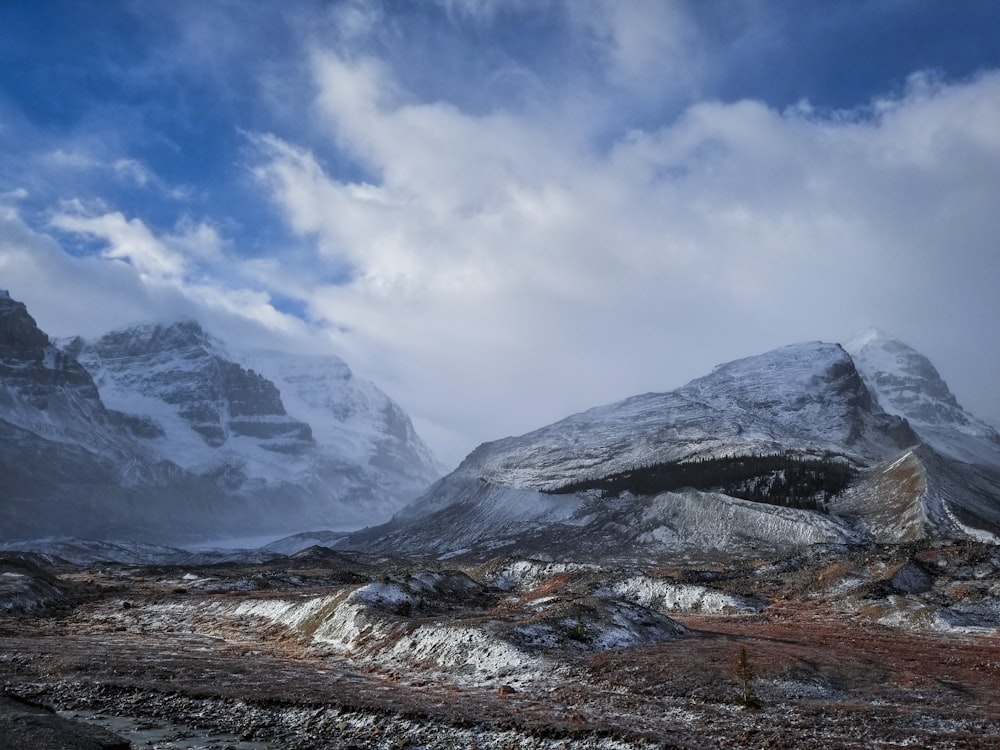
(40, 381)
(186, 369)
(806, 401)
(156, 432)
(61, 450)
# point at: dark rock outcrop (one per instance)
(24, 725)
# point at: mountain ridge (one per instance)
(165, 408)
(803, 402)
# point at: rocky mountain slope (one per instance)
(763, 455)
(67, 458)
(157, 432)
(961, 457)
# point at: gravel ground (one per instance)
(843, 647)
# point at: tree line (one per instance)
(783, 479)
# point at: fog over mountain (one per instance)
(156, 432)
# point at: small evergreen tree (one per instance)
(745, 674)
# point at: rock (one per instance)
(27, 725)
(911, 579)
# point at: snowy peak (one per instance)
(906, 383)
(268, 417)
(178, 370)
(785, 380)
(808, 394)
(804, 397)
(349, 415)
(904, 380)
(182, 337)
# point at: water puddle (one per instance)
(158, 735)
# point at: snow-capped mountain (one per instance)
(801, 397)
(906, 383)
(160, 433)
(762, 455)
(350, 417)
(193, 396)
(70, 464)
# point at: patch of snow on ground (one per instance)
(664, 596)
(630, 626)
(473, 650)
(524, 575)
(844, 585)
(291, 614)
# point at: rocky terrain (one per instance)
(864, 646)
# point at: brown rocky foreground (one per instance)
(877, 647)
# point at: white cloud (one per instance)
(128, 241)
(139, 276)
(485, 10)
(496, 269)
(356, 19)
(542, 276)
(198, 241)
(74, 295)
(133, 170)
(168, 258)
(86, 157)
(11, 196)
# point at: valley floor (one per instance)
(847, 649)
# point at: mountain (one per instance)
(157, 432)
(353, 420)
(962, 451)
(907, 384)
(191, 394)
(66, 458)
(761, 456)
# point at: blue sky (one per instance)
(504, 211)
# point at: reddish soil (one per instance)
(822, 678)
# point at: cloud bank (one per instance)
(520, 259)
